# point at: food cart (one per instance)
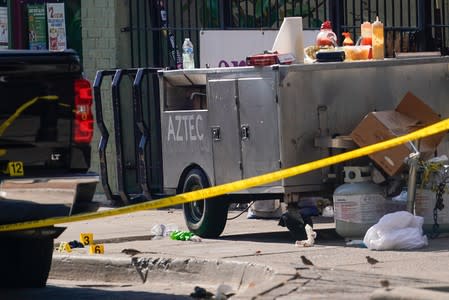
(225, 124)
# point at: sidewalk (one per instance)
(257, 258)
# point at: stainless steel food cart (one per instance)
(214, 126)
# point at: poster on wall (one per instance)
(57, 39)
(3, 27)
(37, 33)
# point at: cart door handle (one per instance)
(244, 132)
(216, 133)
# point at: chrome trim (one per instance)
(60, 191)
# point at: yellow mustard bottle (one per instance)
(378, 47)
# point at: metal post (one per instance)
(336, 9)
(424, 16)
(412, 161)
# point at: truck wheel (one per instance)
(25, 262)
(205, 218)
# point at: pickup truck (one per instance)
(46, 128)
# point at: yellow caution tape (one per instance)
(237, 185)
(17, 113)
(21, 108)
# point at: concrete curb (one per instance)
(244, 277)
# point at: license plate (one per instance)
(15, 168)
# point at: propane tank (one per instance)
(358, 204)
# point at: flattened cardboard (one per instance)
(411, 114)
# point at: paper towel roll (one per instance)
(290, 38)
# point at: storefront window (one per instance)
(45, 24)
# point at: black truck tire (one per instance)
(205, 218)
(25, 262)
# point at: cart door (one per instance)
(258, 126)
(224, 126)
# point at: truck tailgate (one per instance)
(37, 112)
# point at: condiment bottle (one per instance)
(326, 37)
(378, 40)
(347, 41)
(367, 30)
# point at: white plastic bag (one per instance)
(398, 230)
(161, 230)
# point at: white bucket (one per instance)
(424, 204)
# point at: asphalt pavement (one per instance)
(253, 259)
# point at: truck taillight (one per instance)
(83, 127)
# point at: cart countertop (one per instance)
(198, 76)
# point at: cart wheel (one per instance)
(205, 218)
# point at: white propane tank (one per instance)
(358, 204)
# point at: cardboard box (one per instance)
(411, 114)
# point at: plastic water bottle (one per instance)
(181, 235)
(188, 60)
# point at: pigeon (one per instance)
(371, 261)
(385, 283)
(306, 261)
(131, 252)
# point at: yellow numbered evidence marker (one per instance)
(87, 238)
(64, 246)
(15, 168)
(96, 249)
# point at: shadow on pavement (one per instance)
(267, 237)
(52, 292)
(327, 236)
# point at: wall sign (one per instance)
(4, 27)
(37, 33)
(57, 39)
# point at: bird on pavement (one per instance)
(371, 261)
(306, 261)
(130, 251)
(385, 283)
